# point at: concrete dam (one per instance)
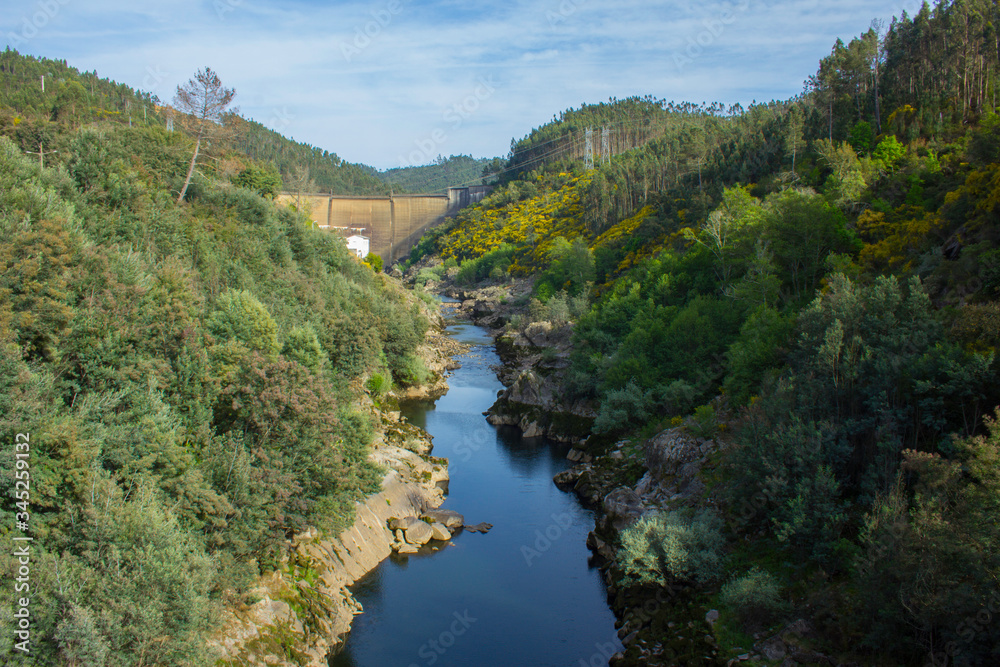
(393, 223)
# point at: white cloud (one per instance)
(288, 60)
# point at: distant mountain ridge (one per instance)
(442, 174)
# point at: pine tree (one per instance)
(204, 98)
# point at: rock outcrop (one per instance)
(305, 608)
(437, 353)
(450, 518)
(535, 359)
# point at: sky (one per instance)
(394, 83)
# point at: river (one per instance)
(522, 595)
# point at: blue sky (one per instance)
(397, 82)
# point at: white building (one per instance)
(361, 245)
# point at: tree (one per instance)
(794, 142)
(299, 183)
(204, 98)
(827, 83)
(263, 180)
(877, 35)
(721, 231)
(572, 264)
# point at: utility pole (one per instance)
(588, 148)
(41, 153)
(605, 151)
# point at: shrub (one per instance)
(302, 345)
(241, 316)
(379, 385)
(557, 308)
(429, 274)
(672, 544)
(374, 261)
(412, 371)
(622, 408)
(704, 423)
(755, 597)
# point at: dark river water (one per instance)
(522, 595)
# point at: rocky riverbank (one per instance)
(535, 356)
(304, 609)
(624, 482)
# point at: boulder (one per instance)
(483, 307)
(647, 486)
(407, 549)
(402, 523)
(450, 518)
(600, 547)
(419, 533)
(623, 506)
(569, 477)
(773, 649)
(537, 333)
(588, 486)
(440, 531)
(532, 430)
(669, 451)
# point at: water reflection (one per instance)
(523, 594)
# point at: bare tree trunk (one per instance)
(878, 106)
(194, 158)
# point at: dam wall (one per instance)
(393, 223)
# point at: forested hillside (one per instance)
(817, 282)
(444, 173)
(32, 116)
(188, 377)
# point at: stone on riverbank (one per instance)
(440, 531)
(419, 533)
(479, 527)
(450, 518)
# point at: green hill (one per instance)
(816, 282)
(185, 381)
(448, 172)
(31, 116)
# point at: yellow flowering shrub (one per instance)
(529, 225)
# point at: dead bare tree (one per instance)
(204, 99)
